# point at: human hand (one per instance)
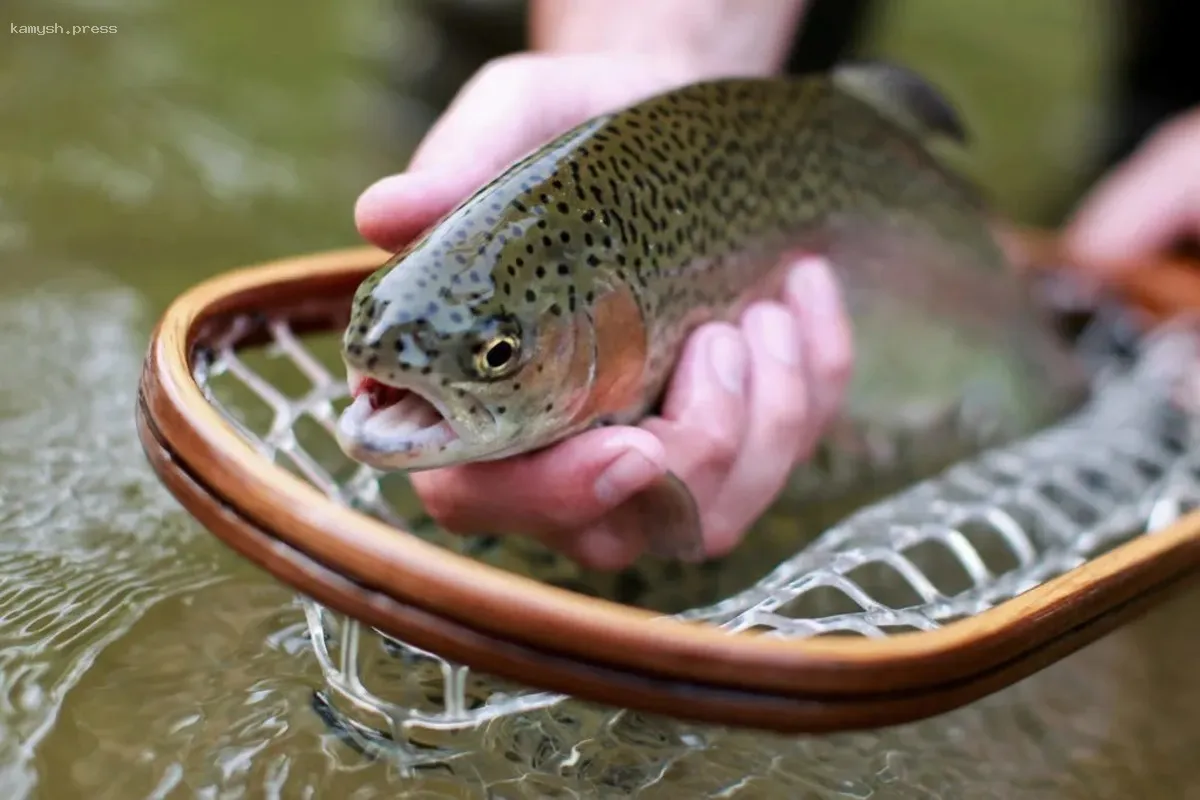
(511, 106)
(1146, 204)
(747, 401)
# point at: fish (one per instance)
(558, 296)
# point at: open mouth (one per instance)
(387, 419)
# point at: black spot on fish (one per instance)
(530, 295)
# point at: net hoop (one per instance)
(552, 638)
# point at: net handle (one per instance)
(455, 590)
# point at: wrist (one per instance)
(693, 39)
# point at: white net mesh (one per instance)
(950, 546)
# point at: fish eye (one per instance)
(498, 356)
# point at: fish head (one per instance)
(451, 359)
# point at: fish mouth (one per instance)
(388, 426)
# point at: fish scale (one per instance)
(590, 260)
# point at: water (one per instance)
(138, 656)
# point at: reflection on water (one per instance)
(139, 657)
(90, 541)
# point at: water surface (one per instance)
(140, 658)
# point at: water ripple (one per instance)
(88, 539)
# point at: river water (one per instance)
(138, 656)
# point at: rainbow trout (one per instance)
(558, 296)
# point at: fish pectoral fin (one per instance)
(902, 95)
(668, 518)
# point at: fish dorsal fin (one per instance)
(903, 95)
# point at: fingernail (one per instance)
(811, 284)
(408, 187)
(630, 472)
(388, 187)
(778, 333)
(382, 200)
(728, 359)
(602, 547)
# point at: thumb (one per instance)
(392, 211)
(548, 493)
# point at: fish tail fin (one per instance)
(903, 95)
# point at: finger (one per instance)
(703, 417)
(704, 412)
(700, 431)
(779, 420)
(563, 487)
(395, 210)
(613, 543)
(811, 293)
(1145, 204)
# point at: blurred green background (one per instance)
(141, 658)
